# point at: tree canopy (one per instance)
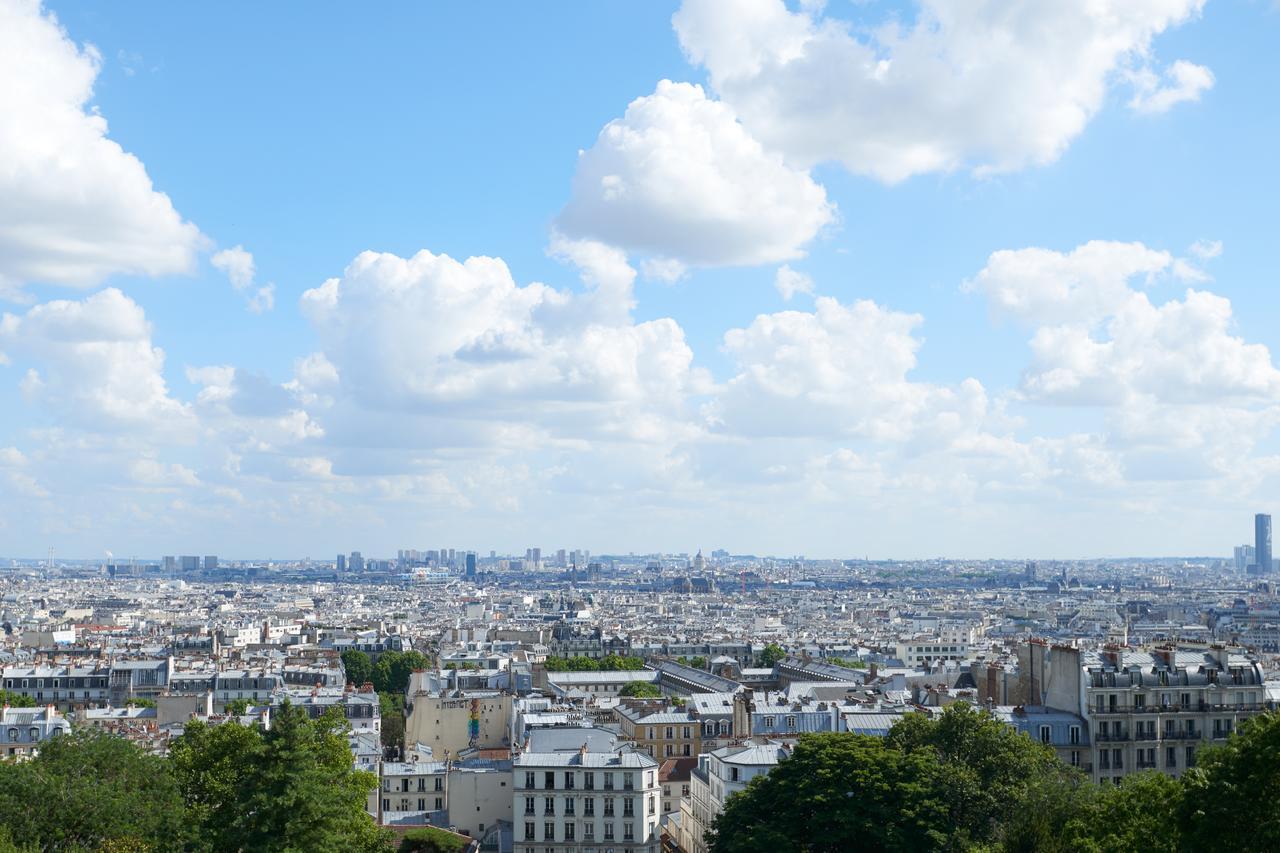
(646, 689)
(91, 791)
(292, 787)
(772, 654)
(581, 663)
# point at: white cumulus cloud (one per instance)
(679, 179)
(989, 85)
(75, 207)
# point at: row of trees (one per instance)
(225, 787)
(966, 781)
(389, 675)
(581, 663)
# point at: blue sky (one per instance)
(661, 392)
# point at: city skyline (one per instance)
(639, 278)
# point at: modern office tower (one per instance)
(192, 564)
(210, 563)
(1245, 556)
(1262, 543)
(170, 564)
(356, 562)
(471, 564)
(341, 563)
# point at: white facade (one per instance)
(586, 801)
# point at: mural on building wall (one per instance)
(473, 722)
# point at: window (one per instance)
(439, 783)
(589, 831)
(548, 831)
(1075, 734)
(386, 805)
(568, 780)
(549, 779)
(529, 831)
(628, 808)
(529, 777)
(1046, 735)
(653, 804)
(628, 832)
(569, 807)
(733, 774)
(439, 803)
(686, 732)
(548, 805)
(791, 722)
(670, 732)
(568, 832)
(628, 783)
(769, 722)
(608, 832)
(589, 807)
(1171, 756)
(422, 804)
(608, 806)
(608, 781)
(1075, 758)
(589, 781)
(528, 805)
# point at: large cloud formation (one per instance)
(74, 206)
(678, 178)
(992, 85)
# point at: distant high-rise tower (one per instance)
(1262, 542)
(341, 563)
(471, 564)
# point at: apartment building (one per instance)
(593, 802)
(65, 686)
(1145, 709)
(718, 775)
(22, 730)
(661, 730)
(450, 722)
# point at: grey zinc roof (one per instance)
(606, 760)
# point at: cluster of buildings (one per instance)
(523, 732)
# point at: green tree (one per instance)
(772, 654)
(392, 725)
(391, 672)
(237, 707)
(16, 700)
(640, 689)
(92, 791)
(991, 763)
(358, 666)
(208, 763)
(290, 788)
(838, 792)
(1232, 797)
(698, 662)
(429, 839)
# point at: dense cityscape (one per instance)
(574, 701)
(644, 426)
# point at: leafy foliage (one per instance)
(428, 839)
(772, 654)
(16, 700)
(290, 788)
(1232, 797)
(580, 663)
(391, 672)
(91, 791)
(646, 689)
(358, 666)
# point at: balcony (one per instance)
(1112, 738)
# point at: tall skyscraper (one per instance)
(341, 563)
(471, 564)
(1262, 542)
